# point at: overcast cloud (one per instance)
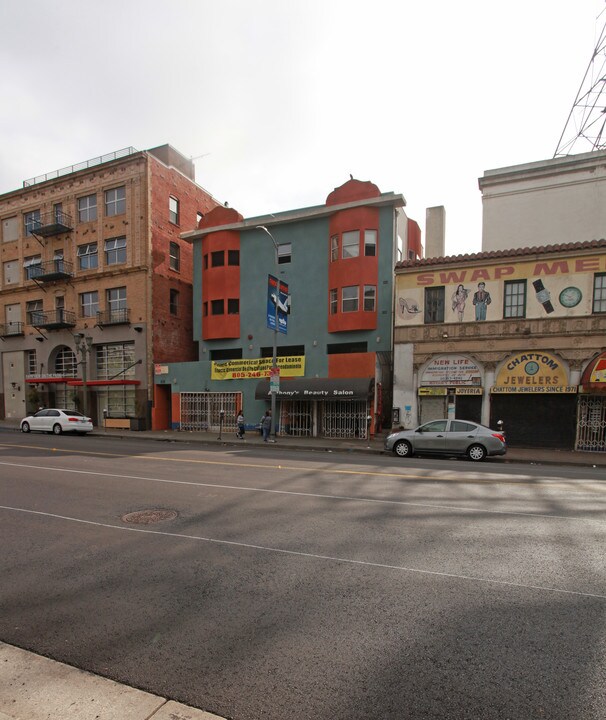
(284, 99)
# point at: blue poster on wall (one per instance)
(280, 300)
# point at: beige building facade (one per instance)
(514, 336)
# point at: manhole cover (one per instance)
(146, 517)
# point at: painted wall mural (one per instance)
(562, 287)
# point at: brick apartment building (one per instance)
(96, 283)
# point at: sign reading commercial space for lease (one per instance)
(256, 368)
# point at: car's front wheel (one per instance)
(25, 427)
(57, 429)
(477, 453)
(402, 448)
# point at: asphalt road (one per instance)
(300, 585)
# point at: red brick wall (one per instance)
(172, 335)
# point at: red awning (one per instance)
(98, 383)
(594, 376)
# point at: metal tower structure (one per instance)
(585, 128)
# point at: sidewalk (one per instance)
(535, 456)
(33, 687)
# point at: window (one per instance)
(370, 242)
(116, 303)
(31, 221)
(32, 266)
(334, 301)
(216, 307)
(66, 363)
(87, 256)
(206, 261)
(350, 298)
(115, 251)
(461, 426)
(346, 348)
(599, 293)
(173, 210)
(31, 362)
(233, 257)
(175, 256)
(515, 299)
(33, 308)
(334, 248)
(226, 354)
(199, 217)
(173, 302)
(117, 361)
(370, 298)
(233, 306)
(11, 272)
(87, 208)
(284, 253)
(205, 309)
(217, 258)
(89, 304)
(351, 244)
(115, 201)
(10, 229)
(434, 304)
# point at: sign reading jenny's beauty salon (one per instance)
(451, 370)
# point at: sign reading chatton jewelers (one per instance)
(451, 370)
(533, 372)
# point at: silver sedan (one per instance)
(448, 437)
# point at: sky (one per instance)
(279, 101)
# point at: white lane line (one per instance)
(319, 496)
(313, 556)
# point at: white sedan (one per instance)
(56, 421)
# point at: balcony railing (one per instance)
(113, 317)
(53, 320)
(51, 270)
(11, 328)
(80, 166)
(52, 223)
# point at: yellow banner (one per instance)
(541, 389)
(535, 371)
(257, 368)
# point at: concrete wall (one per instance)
(551, 202)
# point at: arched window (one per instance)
(66, 363)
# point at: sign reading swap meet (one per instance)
(451, 370)
(255, 368)
(533, 372)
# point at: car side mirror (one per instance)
(419, 430)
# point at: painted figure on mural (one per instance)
(459, 298)
(481, 300)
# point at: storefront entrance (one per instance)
(531, 420)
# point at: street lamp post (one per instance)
(274, 359)
(84, 344)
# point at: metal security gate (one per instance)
(591, 423)
(344, 419)
(202, 411)
(296, 418)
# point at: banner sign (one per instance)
(281, 300)
(432, 391)
(256, 368)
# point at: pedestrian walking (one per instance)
(266, 425)
(240, 423)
